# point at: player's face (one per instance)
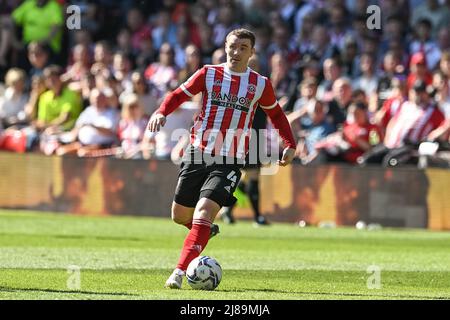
(238, 52)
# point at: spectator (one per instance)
(392, 105)
(147, 54)
(310, 128)
(350, 59)
(87, 84)
(163, 74)
(181, 45)
(443, 39)
(371, 44)
(59, 107)
(90, 21)
(84, 38)
(38, 87)
(400, 50)
(360, 134)
(441, 92)
(144, 92)
(207, 46)
(96, 128)
(418, 117)
(219, 56)
(394, 30)
(302, 16)
(263, 36)
(338, 106)
(103, 57)
(391, 68)
(122, 69)
(257, 12)
(125, 45)
(282, 44)
(6, 37)
(332, 71)
(357, 137)
(339, 30)
(80, 67)
(359, 96)
(193, 63)
(438, 15)
(165, 31)
(308, 91)
(132, 127)
(226, 23)
(42, 21)
(368, 81)
(139, 29)
(38, 56)
(423, 43)
(310, 68)
(444, 65)
(14, 99)
(280, 75)
(419, 70)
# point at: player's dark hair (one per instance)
(243, 34)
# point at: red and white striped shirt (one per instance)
(413, 124)
(223, 127)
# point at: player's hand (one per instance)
(288, 156)
(156, 122)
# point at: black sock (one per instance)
(252, 191)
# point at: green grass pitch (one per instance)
(130, 258)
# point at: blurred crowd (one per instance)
(352, 94)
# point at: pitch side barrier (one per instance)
(330, 195)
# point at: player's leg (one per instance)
(190, 181)
(182, 215)
(216, 192)
(195, 242)
(198, 237)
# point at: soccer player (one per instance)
(210, 170)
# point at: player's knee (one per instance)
(178, 218)
(182, 215)
(206, 210)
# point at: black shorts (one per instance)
(216, 182)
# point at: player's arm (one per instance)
(271, 107)
(194, 85)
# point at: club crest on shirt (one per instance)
(218, 83)
(251, 88)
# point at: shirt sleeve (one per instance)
(195, 84)
(268, 99)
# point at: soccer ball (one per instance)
(204, 273)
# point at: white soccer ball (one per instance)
(204, 273)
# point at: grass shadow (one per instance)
(9, 289)
(344, 294)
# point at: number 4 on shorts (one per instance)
(232, 177)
